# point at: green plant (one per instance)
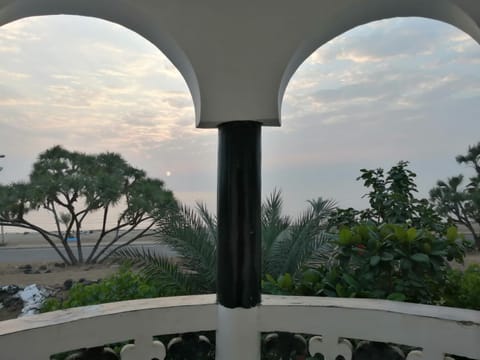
(124, 285)
(387, 261)
(392, 200)
(458, 202)
(288, 245)
(463, 288)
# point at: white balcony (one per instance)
(435, 332)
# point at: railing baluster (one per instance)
(330, 347)
(143, 348)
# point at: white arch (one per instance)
(237, 57)
(117, 11)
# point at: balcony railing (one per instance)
(428, 332)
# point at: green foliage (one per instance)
(192, 234)
(460, 202)
(124, 285)
(463, 288)
(392, 200)
(303, 241)
(288, 245)
(388, 261)
(71, 186)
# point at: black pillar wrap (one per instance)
(239, 214)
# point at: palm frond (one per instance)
(173, 279)
(209, 220)
(194, 241)
(273, 222)
(305, 238)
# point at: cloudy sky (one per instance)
(399, 89)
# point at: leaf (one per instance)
(345, 237)
(401, 233)
(285, 281)
(311, 276)
(405, 264)
(374, 260)
(340, 291)
(270, 278)
(439, 253)
(411, 234)
(396, 297)
(419, 257)
(350, 280)
(387, 257)
(452, 233)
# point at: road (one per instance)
(47, 254)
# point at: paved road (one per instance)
(47, 254)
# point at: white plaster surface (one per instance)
(238, 56)
(238, 337)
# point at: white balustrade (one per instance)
(39, 336)
(435, 331)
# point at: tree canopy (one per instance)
(392, 200)
(460, 201)
(71, 186)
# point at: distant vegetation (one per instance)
(71, 186)
(460, 202)
(399, 248)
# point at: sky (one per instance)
(391, 90)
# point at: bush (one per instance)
(124, 285)
(385, 262)
(463, 288)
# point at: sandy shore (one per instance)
(50, 275)
(47, 274)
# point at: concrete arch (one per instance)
(237, 57)
(351, 16)
(120, 12)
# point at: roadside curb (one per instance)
(47, 246)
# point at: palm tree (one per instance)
(288, 245)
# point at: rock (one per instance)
(43, 267)
(48, 271)
(37, 272)
(82, 281)
(67, 285)
(25, 267)
(13, 303)
(27, 271)
(9, 290)
(60, 265)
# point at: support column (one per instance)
(239, 240)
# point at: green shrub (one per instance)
(387, 262)
(124, 285)
(463, 288)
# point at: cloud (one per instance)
(397, 89)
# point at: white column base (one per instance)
(237, 334)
